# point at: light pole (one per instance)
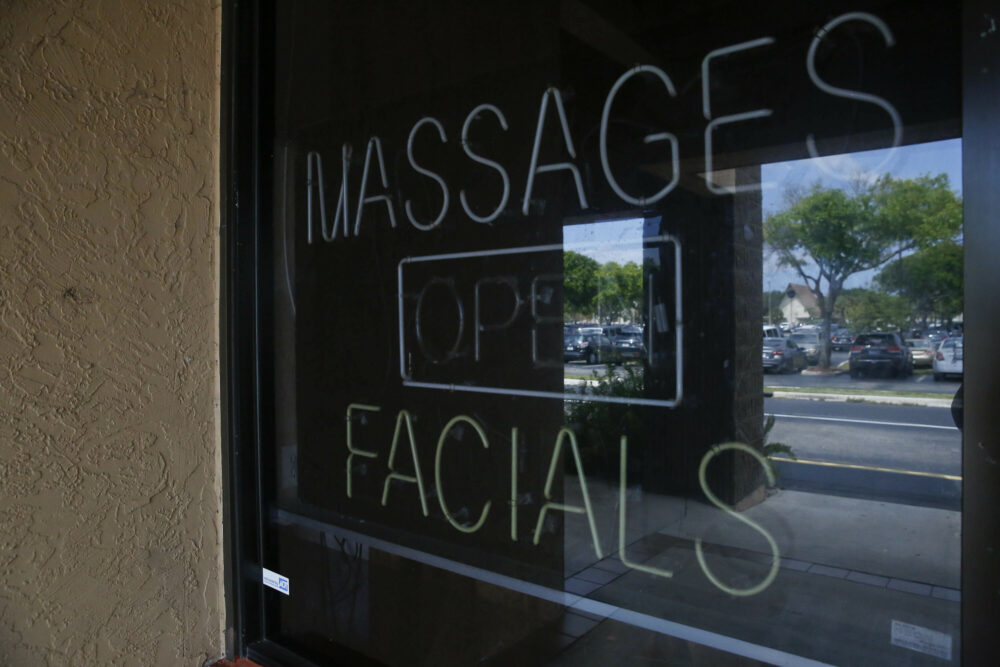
(598, 296)
(769, 323)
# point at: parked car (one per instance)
(948, 358)
(880, 352)
(614, 330)
(841, 341)
(583, 329)
(808, 341)
(935, 336)
(782, 355)
(592, 348)
(921, 350)
(771, 331)
(628, 346)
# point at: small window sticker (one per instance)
(275, 581)
(921, 639)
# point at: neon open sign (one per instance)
(525, 298)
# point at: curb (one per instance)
(833, 398)
(866, 398)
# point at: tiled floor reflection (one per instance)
(848, 568)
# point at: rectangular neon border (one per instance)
(678, 325)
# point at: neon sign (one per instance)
(417, 276)
(564, 439)
(315, 183)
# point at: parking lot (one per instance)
(922, 379)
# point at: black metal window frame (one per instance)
(246, 311)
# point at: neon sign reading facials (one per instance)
(565, 439)
(375, 187)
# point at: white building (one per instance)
(798, 304)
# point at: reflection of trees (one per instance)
(603, 292)
(929, 281)
(871, 310)
(828, 235)
(579, 285)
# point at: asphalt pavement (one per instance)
(921, 441)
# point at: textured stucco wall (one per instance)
(110, 531)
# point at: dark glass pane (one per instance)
(519, 252)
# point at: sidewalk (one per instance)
(855, 565)
(883, 539)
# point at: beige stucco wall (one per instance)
(110, 530)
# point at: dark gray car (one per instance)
(878, 353)
(628, 348)
(781, 355)
(590, 348)
(808, 342)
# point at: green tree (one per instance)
(610, 301)
(630, 283)
(579, 285)
(619, 291)
(828, 235)
(929, 280)
(872, 310)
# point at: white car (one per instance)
(948, 358)
(771, 331)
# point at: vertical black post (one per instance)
(981, 450)
(239, 348)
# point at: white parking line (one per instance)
(865, 421)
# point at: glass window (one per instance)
(454, 187)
